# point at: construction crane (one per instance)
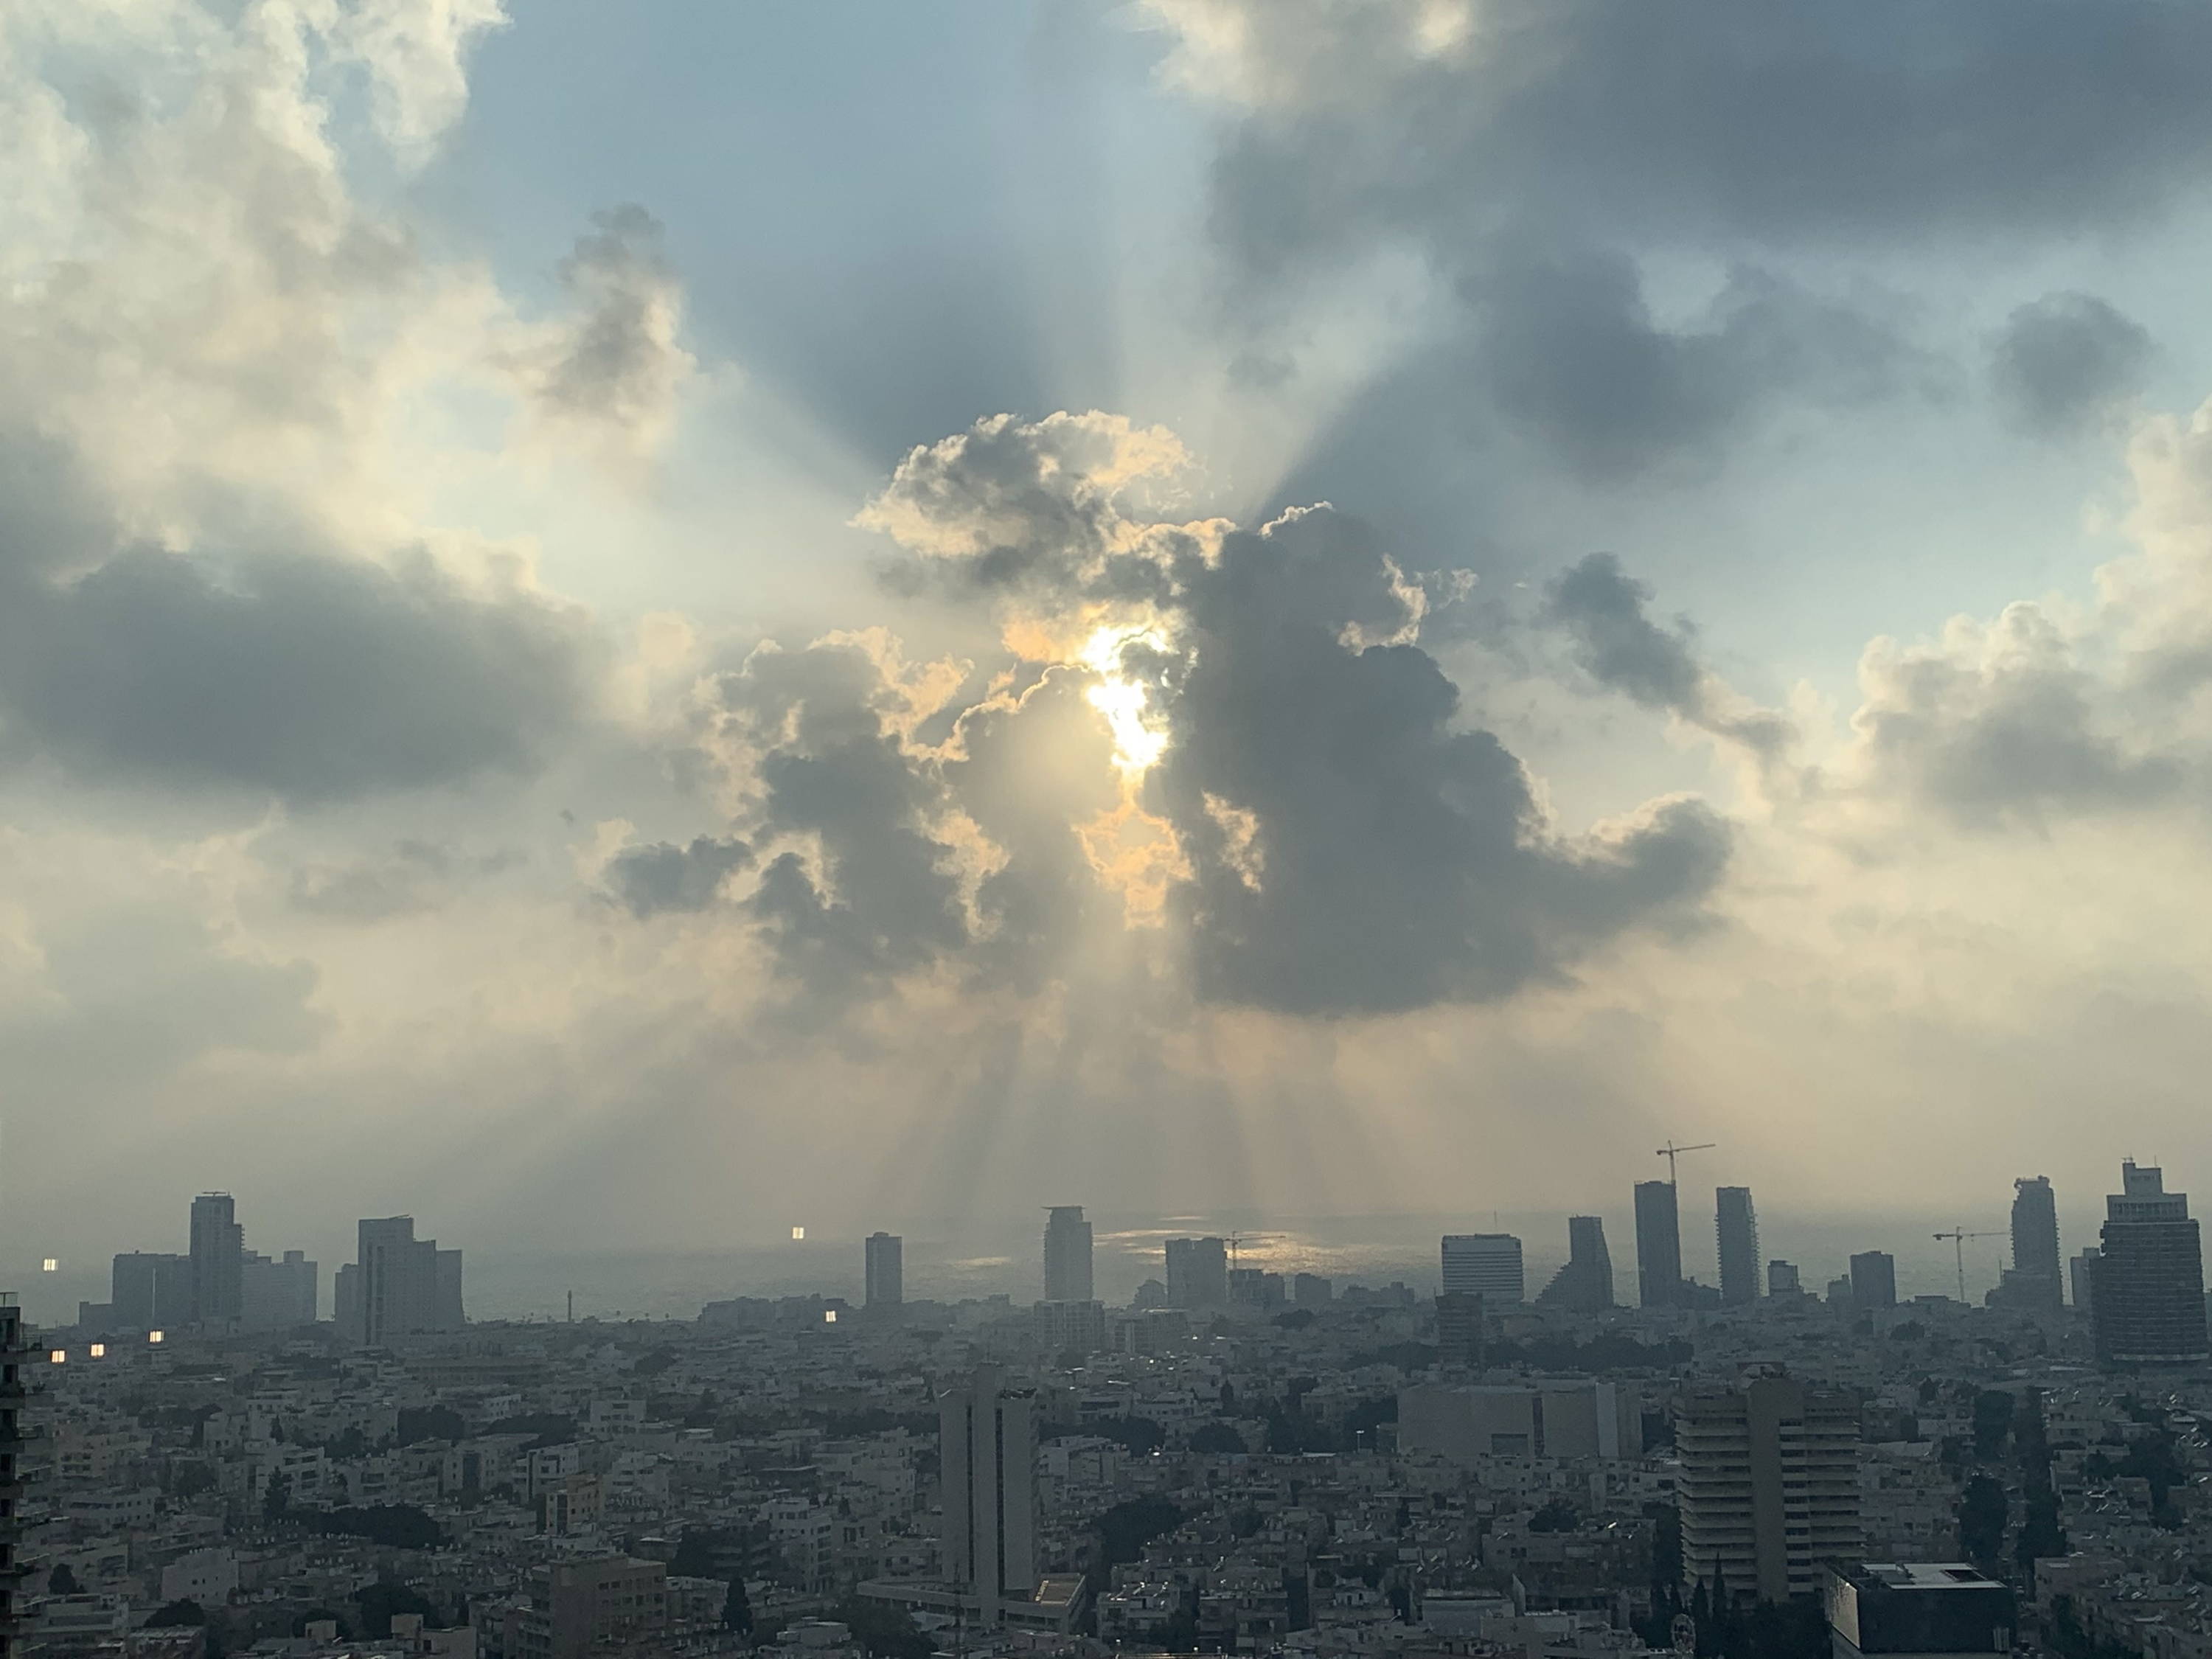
(1670, 1151)
(1959, 1238)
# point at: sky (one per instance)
(621, 628)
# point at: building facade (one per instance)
(1066, 1254)
(218, 1252)
(987, 1451)
(1769, 1487)
(1736, 1224)
(1487, 1265)
(2147, 1305)
(2036, 1271)
(1198, 1273)
(1658, 1246)
(884, 1262)
(1873, 1279)
(1584, 1284)
(399, 1284)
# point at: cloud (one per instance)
(857, 884)
(1010, 501)
(664, 877)
(412, 877)
(1568, 353)
(1826, 122)
(2003, 724)
(313, 679)
(1404, 858)
(1603, 611)
(2064, 362)
(1548, 160)
(616, 370)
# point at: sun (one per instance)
(1124, 701)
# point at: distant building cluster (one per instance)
(1242, 1459)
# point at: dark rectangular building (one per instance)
(2146, 1306)
(1916, 1607)
(1658, 1246)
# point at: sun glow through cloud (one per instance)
(1123, 701)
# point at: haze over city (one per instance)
(626, 628)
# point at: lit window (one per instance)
(51, 1264)
(829, 1316)
(58, 1355)
(152, 1336)
(799, 1232)
(98, 1350)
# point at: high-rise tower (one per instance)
(884, 1262)
(1066, 1254)
(1585, 1283)
(1658, 1246)
(2037, 1279)
(1769, 1487)
(986, 1444)
(218, 1255)
(1487, 1265)
(1737, 1225)
(2148, 1302)
(1198, 1273)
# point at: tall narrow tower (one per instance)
(1737, 1225)
(2147, 1308)
(218, 1255)
(1658, 1245)
(986, 1444)
(1066, 1254)
(2035, 1256)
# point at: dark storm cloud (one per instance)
(833, 770)
(665, 877)
(1396, 858)
(1826, 122)
(1561, 147)
(2067, 359)
(310, 678)
(1570, 353)
(1605, 611)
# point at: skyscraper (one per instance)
(1769, 1487)
(1459, 1327)
(275, 1296)
(1737, 1225)
(1873, 1280)
(2147, 1303)
(2035, 1255)
(1066, 1254)
(1658, 1246)
(987, 1445)
(2082, 1276)
(401, 1286)
(885, 1265)
(151, 1290)
(1198, 1273)
(1487, 1265)
(1585, 1283)
(218, 1252)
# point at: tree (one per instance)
(380, 1601)
(1556, 1515)
(738, 1608)
(276, 1497)
(1993, 1409)
(62, 1580)
(1124, 1530)
(1216, 1439)
(1982, 1511)
(177, 1615)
